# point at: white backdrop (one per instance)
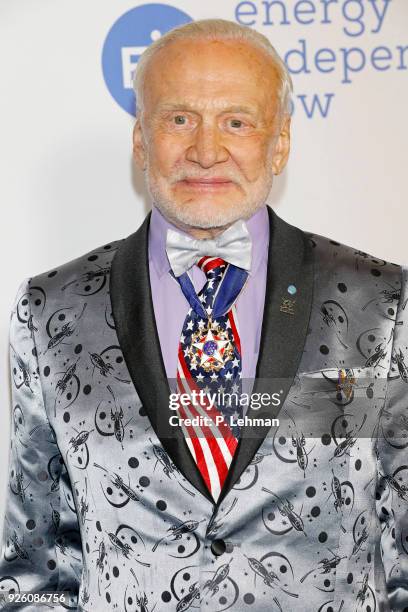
(68, 183)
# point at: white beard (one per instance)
(203, 216)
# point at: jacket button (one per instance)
(218, 547)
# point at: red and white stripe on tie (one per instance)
(209, 263)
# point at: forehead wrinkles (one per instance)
(226, 69)
(186, 57)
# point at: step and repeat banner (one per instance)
(67, 111)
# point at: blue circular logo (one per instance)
(129, 36)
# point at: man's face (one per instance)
(211, 135)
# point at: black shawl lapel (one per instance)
(290, 261)
(133, 313)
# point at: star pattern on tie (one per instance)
(209, 359)
(208, 346)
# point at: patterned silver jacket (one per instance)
(105, 502)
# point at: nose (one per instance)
(207, 148)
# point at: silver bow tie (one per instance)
(234, 245)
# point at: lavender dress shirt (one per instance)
(170, 305)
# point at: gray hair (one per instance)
(215, 29)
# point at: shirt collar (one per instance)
(257, 224)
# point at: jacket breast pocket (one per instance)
(343, 402)
(342, 384)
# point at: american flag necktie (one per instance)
(209, 363)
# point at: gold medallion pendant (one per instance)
(210, 347)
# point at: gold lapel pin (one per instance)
(288, 304)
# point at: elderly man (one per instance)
(139, 478)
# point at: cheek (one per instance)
(251, 160)
(165, 153)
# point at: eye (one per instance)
(177, 119)
(236, 122)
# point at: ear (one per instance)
(139, 154)
(282, 146)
